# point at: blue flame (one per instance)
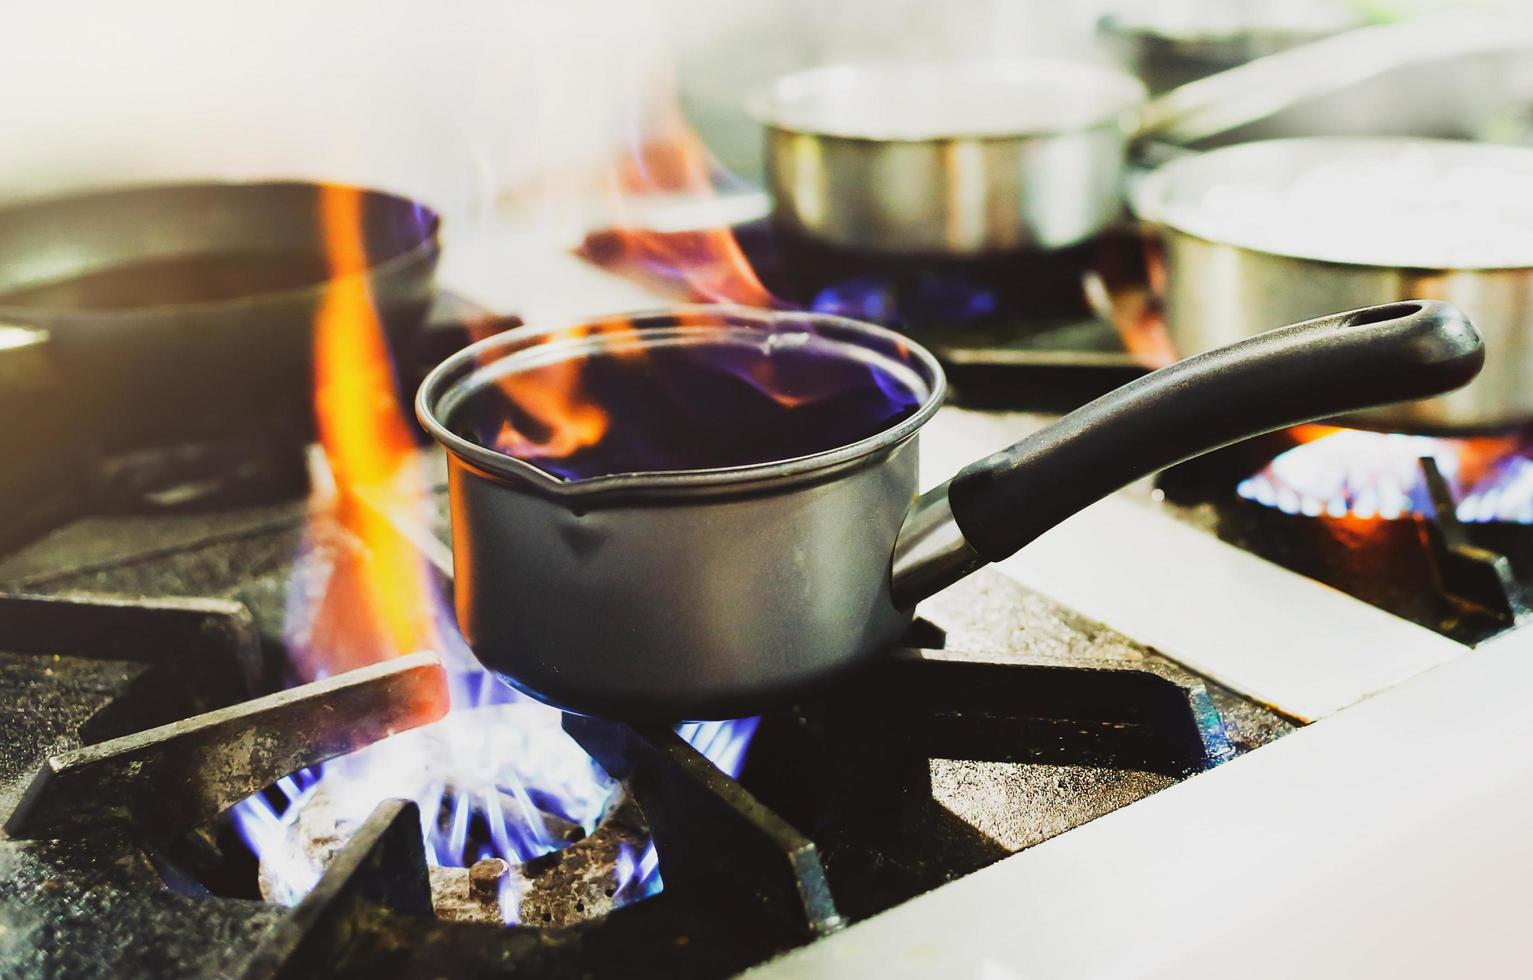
(497, 763)
(1376, 474)
(722, 743)
(947, 299)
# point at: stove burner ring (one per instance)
(503, 844)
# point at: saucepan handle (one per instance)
(1312, 370)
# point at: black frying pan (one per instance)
(182, 309)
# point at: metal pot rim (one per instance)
(1150, 198)
(766, 102)
(453, 374)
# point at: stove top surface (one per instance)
(1149, 639)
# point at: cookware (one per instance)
(38, 409)
(1166, 45)
(708, 593)
(1171, 43)
(187, 306)
(1220, 285)
(973, 157)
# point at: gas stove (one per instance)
(1134, 744)
(137, 654)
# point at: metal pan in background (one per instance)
(1169, 43)
(1225, 282)
(710, 593)
(965, 158)
(184, 308)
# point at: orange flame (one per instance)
(1127, 286)
(552, 397)
(668, 164)
(378, 601)
(709, 262)
(1313, 432)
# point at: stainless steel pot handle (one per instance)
(1311, 370)
(1260, 88)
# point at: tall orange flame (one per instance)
(709, 261)
(378, 602)
(669, 163)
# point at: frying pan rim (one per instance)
(682, 483)
(428, 245)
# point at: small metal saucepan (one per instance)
(1234, 262)
(968, 158)
(709, 593)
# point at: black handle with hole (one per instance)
(1312, 370)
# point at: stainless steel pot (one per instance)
(973, 157)
(1218, 291)
(708, 593)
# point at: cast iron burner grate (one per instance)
(128, 725)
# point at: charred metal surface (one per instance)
(579, 883)
(92, 553)
(696, 813)
(202, 653)
(45, 702)
(716, 935)
(486, 878)
(382, 869)
(167, 779)
(1473, 575)
(94, 908)
(573, 884)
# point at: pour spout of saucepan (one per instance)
(1307, 371)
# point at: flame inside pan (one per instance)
(727, 398)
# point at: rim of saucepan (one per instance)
(465, 372)
(1154, 199)
(768, 104)
(426, 245)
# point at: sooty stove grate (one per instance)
(741, 882)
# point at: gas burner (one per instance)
(143, 759)
(1342, 472)
(777, 889)
(566, 875)
(1407, 523)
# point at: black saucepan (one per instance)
(705, 591)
